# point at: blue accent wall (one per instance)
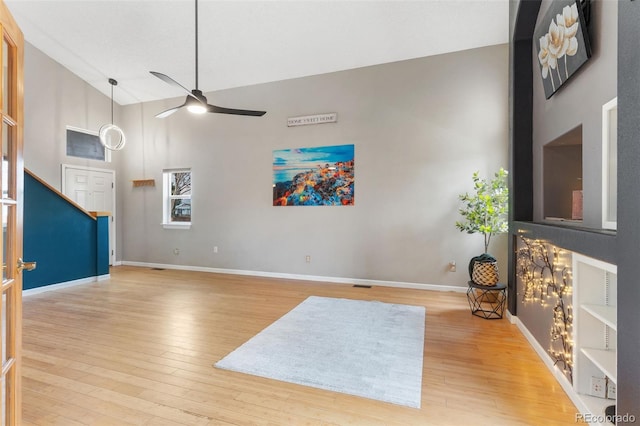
(102, 245)
(65, 242)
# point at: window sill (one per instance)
(186, 225)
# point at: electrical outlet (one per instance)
(611, 390)
(215, 249)
(176, 251)
(307, 259)
(452, 266)
(599, 387)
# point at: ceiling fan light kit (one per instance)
(111, 136)
(196, 102)
(196, 108)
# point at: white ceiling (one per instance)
(246, 42)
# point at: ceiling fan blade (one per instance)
(172, 82)
(168, 112)
(221, 110)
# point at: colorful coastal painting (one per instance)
(319, 176)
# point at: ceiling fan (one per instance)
(196, 102)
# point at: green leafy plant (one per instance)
(485, 212)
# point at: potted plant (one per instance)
(485, 212)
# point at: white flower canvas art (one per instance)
(562, 43)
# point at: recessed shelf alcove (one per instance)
(562, 186)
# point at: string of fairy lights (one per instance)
(545, 274)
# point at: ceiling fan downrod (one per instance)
(196, 102)
(196, 34)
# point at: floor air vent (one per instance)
(157, 269)
(361, 286)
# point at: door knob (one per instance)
(27, 266)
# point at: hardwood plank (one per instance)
(140, 348)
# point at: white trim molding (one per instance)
(58, 286)
(546, 359)
(334, 280)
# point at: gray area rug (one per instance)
(368, 349)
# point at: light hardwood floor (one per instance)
(139, 348)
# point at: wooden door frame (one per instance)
(12, 411)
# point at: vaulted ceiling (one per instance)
(246, 42)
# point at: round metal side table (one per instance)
(485, 301)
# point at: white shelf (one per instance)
(596, 406)
(562, 219)
(607, 361)
(606, 314)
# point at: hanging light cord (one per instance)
(113, 83)
(112, 104)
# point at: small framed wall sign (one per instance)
(306, 120)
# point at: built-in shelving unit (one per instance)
(595, 332)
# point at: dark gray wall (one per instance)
(622, 249)
(578, 102)
(628, 250)
(522, 17)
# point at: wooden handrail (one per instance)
(99, 214)
(60, 194)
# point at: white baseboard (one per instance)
(511, 318)
(335, 280)
(51, 287)
(557, 373)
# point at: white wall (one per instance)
(53, 99)
(420, 129)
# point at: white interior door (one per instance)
(94, 190)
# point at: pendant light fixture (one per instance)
(111, 136)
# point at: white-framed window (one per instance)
(84, 143)
(177, 191)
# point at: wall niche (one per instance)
(562, 176)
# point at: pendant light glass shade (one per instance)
(111, 136)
